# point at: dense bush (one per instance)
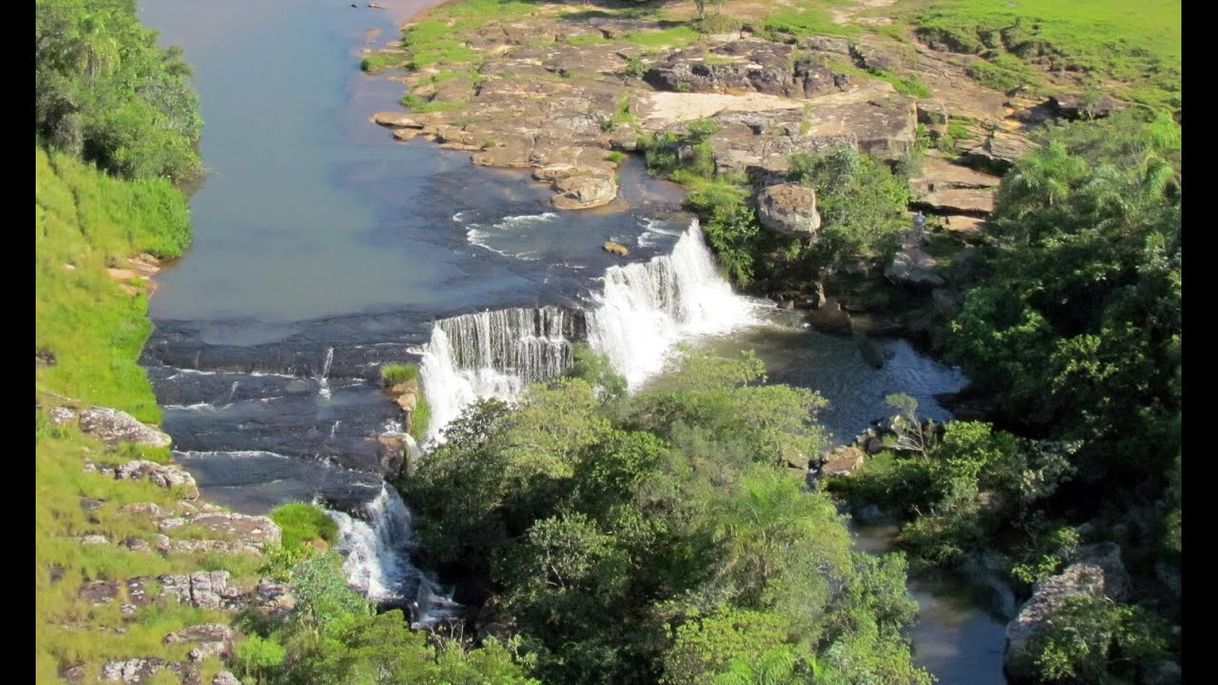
(671, 512)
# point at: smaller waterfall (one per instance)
(324, 385)
(494, 354)
(647, 308)
(377, 546)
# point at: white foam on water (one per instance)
(377, 545)
(647, 308)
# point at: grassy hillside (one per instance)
(83, 221)
(1129, 48)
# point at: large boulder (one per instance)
(1096, 572)
(999, 151)
(584, 191)
(790, 209)
(1073, 106)
(913, 268)
(113, 426)
(830, 318)
(843, 461)
(202, 589)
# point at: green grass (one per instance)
(805, 18)
(436, 39)
(587, 39)
(85, 220)
(303, 523)
(905, 85)
(1134, 42)
(420, 419)
(675, 37)
(421, 106)
(380, 61)
(88, 220)
(392, 374)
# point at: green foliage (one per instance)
(705, 646)
(665, 510)
(302, 523)
(635, 67)
(732, 230)
(1095, 640)
(716, 23)
(258, 657)
(324, 602)
(1002, 72)
(1076, 325)
(421, 106)
(84, 222)
(595, 369)
(684, 156)
(104, 91)
(803, 18)
(863, 207)
(905, 85)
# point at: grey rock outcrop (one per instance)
(202, 589)
(999, 151)
(113, 426)
(162, 475)
(256, 531)
(1096, 572)
(790, 209)
(743, 66)
(209, 639)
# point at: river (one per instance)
(324, 249)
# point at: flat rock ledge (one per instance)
(166, 476)
(111, 426)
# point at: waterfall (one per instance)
(377, 545)
(647, 308)
(644, 310)
(324, 385)
(494, 354)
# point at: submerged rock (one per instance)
(830, 318)
(615, 248)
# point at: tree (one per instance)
(863, 208)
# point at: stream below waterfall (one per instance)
(324, 249)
